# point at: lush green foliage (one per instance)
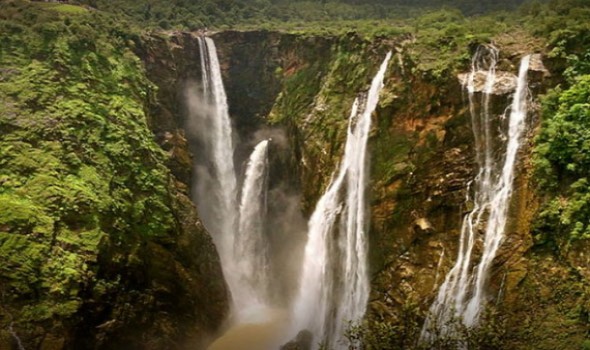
(79, 170)
(192, 14)
(560, 20)
(444, 39)
(563, 158)
(563, 146)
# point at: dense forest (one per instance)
(223, 14)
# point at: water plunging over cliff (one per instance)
(251, 250)
(239, 238)
(462, 296)
(334, 284)
(500, 202)
(215, 187)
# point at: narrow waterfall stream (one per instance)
(251, 249)
(462, 297)
(238, 230)
(496, 224)
(334, 284)
(214, 178)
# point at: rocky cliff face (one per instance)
(422, 159)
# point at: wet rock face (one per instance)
(411, 257)
(416, 215)
(505, 82)
(174, 292)
(303, 341)
(172, 63)
(250, 62)
(422, 155)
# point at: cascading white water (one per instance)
(450, 300)
(334, 283)
(251, 251)
(237, 231)
(216, 182)
(499, 204)
(461, 297)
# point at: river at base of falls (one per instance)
(265, 330)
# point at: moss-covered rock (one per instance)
(99, 246)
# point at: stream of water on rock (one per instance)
(214, 178)
(334, 284)
(461, 297)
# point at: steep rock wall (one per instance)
(421, 161)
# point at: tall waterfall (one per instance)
(216, 188)
(462, 296)
(237, 231)
(251, 251)
(500, 202)
(334, 284)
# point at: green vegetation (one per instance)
(65, 9)
(221, 14)
(563, 145)
(79, 171)
(563, 159)
(83, 186)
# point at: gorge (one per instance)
(285, 189)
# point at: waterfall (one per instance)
(334, 283)
(500, 202)
(215, 187)
(462, 297)
(449, 303)
(236, 230)
(251, 252)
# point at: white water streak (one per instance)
(251, 250)
(17, 340)
(500, 203)
(462, 297)
(238, 231)
(334, 284)
(221, 195)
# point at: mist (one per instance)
(285, 227)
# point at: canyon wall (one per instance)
(422, 159)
